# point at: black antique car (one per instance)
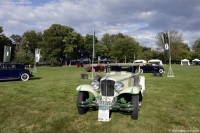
(13, 71)
(151, 68)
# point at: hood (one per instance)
(118, 76)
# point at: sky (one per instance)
(140, 19)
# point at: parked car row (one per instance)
(146, 68)
(95, 67)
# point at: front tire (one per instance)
(24, 77)
(82, 96)
(135, 103)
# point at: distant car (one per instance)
(80, 64)
(95, 68)
(12, 71)
(151, 68)
(196, 63)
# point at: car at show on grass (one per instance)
(95, 67)
(120, 89)
(151, 68)
(14, 71)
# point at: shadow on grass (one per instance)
(10, 80)
(35, 78)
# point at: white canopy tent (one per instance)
(185, 62)
(155, 61)
(140, 61)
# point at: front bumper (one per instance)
(114, 106)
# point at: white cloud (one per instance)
(141, 20)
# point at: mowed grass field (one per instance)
(47, 104)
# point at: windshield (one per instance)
(133, 69)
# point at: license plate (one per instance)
(105, 103)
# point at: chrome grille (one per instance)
(107, 87)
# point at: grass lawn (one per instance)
(47, 103)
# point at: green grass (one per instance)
(47, 103)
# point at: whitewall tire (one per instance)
(24, 77)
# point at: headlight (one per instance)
(95, 85)
(119, 86)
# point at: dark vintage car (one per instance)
(151, 68)
(13, 71)
(80, 64)
(95, 68)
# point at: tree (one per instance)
(124, 49)
(16, 39)
(178, 49)
(88, 45)
(146, 53)
(23, 55)
(32, 39)
(196, 45)
(101, 49)
(196, 49)
(56, 41)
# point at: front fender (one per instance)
(131, 90)
(87, 88)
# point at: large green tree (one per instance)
(124, 49)
(58, 42)
(196, 49)
(88, 45)
(178, 48)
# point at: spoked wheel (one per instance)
(82, 96)
(135, 103)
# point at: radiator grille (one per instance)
(109, 84)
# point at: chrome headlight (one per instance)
(95, 85)
(119, 86)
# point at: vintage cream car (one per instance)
(121, 89)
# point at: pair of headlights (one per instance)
(118, 85)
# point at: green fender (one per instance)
(131, 90)
(87, 88)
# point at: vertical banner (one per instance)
(166, 44)
(37, 55)
(7, 54)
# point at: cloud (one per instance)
(140, 19)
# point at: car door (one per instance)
(15, 71)
(5, 71)
(151, 68)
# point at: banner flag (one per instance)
(37, 55)
(166, 44)
(7, 54)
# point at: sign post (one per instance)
(166, 40)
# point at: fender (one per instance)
(131, 90)
(87, 88)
